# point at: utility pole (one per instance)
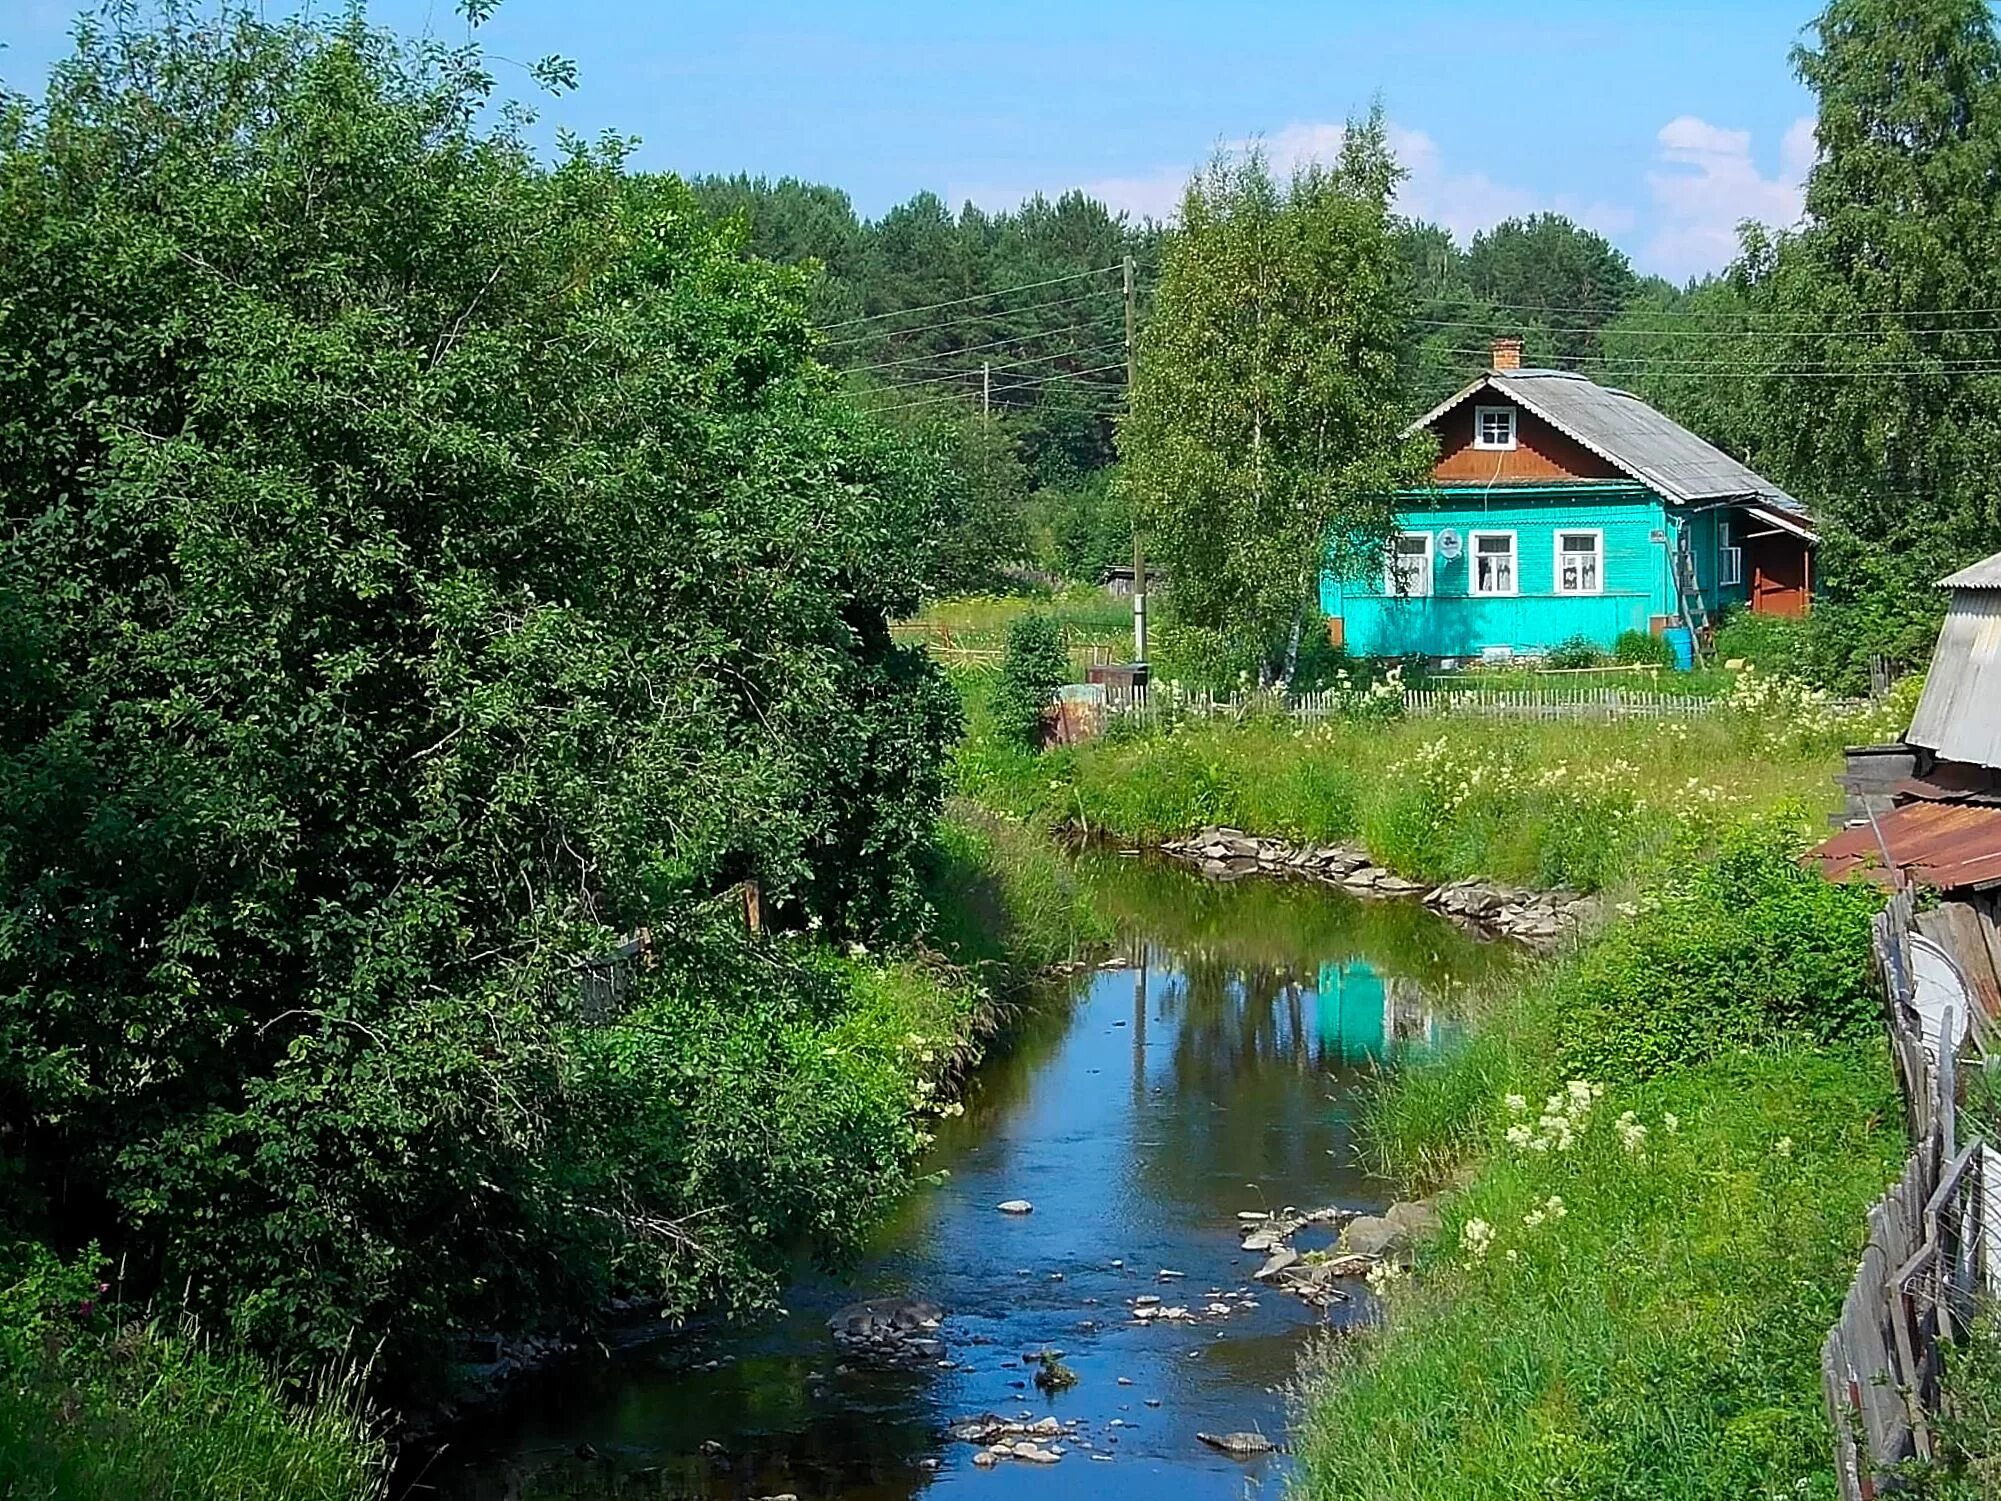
(1139, 555)
(987, 392)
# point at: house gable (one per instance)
(1541, 454)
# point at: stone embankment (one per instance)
(1538, 920)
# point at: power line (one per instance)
(1027, 385)
(940, 354)
(1621, 329)
(1864, 312)
(1041, 359)
(960, 322)
(1030, 286)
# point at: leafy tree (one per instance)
(1878, 402)
(1265, 426)
(1036, 665)
(1551, 272)
(420, 567)
(977, 496)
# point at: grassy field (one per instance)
(1587, 804)
(979, 622)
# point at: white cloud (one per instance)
(1462, 201)
(1705, 184)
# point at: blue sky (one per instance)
(1660, 125)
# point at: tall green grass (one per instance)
(1584, 804)
(95, 1410)
(1660, 1337)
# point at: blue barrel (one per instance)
(1681, 641)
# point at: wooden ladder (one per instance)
(1694, 609)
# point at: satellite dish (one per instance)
(1448, 545)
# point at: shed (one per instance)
(1959, 715)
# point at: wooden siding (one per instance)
(1454, 622)
(1777, 572)
(1540, 451)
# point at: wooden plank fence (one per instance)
(1925, 1264)
(1167, 701)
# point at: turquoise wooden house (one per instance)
(1558, 509)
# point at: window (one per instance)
(1410, 566)
(1493, 427)
(1729, 560)
(1494, 563)
(1580, 563)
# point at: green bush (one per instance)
(1755, 950)
(1576, 652)
(1037, 664)
(1775, 644)
(479, 568)
(1642, 649)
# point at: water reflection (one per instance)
(1211, 1068)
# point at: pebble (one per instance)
(1015, 1206)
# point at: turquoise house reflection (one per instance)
(1360, 1016)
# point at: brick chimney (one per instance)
(1507, 352)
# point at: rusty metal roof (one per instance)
(1949, 846)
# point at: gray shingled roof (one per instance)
(1653, 448)
(1986, 574)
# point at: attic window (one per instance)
(1493, 427)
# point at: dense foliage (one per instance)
(1036, 665)
(1754, 950)
(1891, 283)
(422, 567)
(1267, 414)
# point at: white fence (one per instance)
(1167, 701)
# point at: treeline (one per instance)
(1850, 358)
(994, 342)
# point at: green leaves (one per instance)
(421, 567)
(1265, 426)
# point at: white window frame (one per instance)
(1729, 559)
(1597, 534)
(1480, 415)
(1473, 565)
(1420, 586)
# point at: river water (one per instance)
(1211, 1068)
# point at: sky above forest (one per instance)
(1661, 126)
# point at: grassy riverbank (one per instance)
(1580, 803)
(1665, 1147)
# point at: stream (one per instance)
(1209, 1069)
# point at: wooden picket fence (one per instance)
(1168, 701)
(1926, 1265)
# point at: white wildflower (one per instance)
(1475, 1237)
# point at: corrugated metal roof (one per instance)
(1959, 715)
(1622, 429)
(1986, 574)
(1949, 846)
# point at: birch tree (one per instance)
(1263, 442)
